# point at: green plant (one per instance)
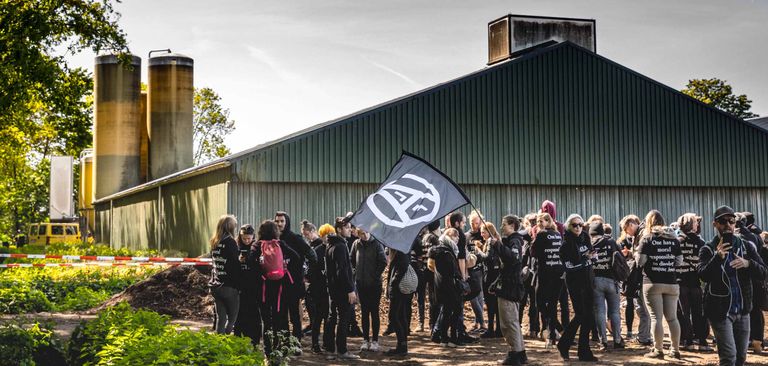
(284, 345)
(21, 298)
(19, 345)
(83, 298)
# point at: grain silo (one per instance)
(116, 138)
(169, 104)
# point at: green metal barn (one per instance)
(558, 122)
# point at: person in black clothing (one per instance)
(509, 288)
(606, 288)
(341, 287)
(226, 275)
(529, 276)
(690, 313)
(457, 221)
(749, 232)
(492, 264)
(447, 286)
(295, 291)
(576, 255)
(318, 290)
(249, 319)
(368, 261)
(429, 240)
(546, 249)
(419, 263)
(399, 302)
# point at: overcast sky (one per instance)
(281, 66)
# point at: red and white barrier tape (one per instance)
(105, 258)
(103, 264)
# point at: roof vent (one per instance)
(513, 33)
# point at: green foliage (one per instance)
(83, 298)
(122, 336)
(43, 289)
(21, 298)
(44, 108)
(719, 94)
(18, 344)
(284, 345)
(211, 124)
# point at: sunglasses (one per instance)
(577, 224)
(728, 221)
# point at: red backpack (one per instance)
(273, 265)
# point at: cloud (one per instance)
(280, 70)
(394, 72)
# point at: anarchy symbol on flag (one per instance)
(408, 199)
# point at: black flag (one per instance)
(414, 194)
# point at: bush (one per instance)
(122, 336)
(83, 298)
(21, 298)
(27, 345)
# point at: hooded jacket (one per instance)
(226, 264)
(338, 269)
(368, 261)
(717, 291)
(659, 255)
(305, 252)
(574, 254)
(447, 273)
(690, 246)
(318, 284)
(509, 285)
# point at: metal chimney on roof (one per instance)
(513, 33)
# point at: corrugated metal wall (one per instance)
(178, 216)
(320, 203)
(560, 116)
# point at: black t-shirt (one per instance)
(690, 244)
(604, 248)
(661, 251)
(546, 249)
(462, 244)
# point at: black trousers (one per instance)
(248, 322)
(320, 319)
(691, 315)
(757, 324)
(582, 296)
(399, 304)
(548, 293)
(369, 310)
(340, 322)
(449, 313)
(492, 307)
(629, 313)
(293, 303)
(274, 314)
(533, 312)
(434, 307)
(565, 312)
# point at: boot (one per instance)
(757, 347)
(513, 358)
(586, 355)
(522, 357)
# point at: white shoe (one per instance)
(365, 346)
(348, 356)
(448, 345)
(374, 346)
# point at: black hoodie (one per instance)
(510, 284)
(338, 269)
(305, 252)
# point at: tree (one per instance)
(44, 104)
(719, 94)
(211, 124)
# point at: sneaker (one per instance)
(365, 346)
(588, 357)
(435, 338)
(705, 348)
(602, 346)
(466, 338)
(689, 347)
(488, 334)
(646, 343)
(316, 349)
(449, 345)
(348, 356)
(674, 354)
(655, 354)
(619, 345)
(332, 356)
(396, 352)
(374, 347)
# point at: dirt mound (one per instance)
(181, 292)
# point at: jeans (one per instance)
(691, 315)
(369, 310)
(661, 299)
(644, 319)
(510, 324)
(477, 307)
(607, 291)
(227, 300)
(732, 334)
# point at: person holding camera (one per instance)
(728, 267)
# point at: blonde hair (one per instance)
(491, 229)
(545, 216)
(325, 229)
(593, 218)
(226, 226)
(475, 213)
(652, 220)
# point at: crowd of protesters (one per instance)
(664, 271)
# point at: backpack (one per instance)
(620, 267)
(272, 260)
